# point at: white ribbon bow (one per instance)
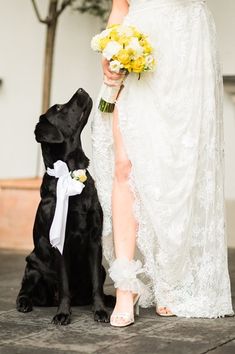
(66, 186)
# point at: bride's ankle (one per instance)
(124, 301)
(124, 274)
(123, 294)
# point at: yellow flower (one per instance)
(124, 40)
(114, 35)
(131, 52)
(82, 178)
(103, 42)
(123, 56)
(136, 33)
(128, 67)
(138, 65)
(146, 46)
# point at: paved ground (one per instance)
(33, 333)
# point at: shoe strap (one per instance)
(124, 315)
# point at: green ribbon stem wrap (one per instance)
(109, 96)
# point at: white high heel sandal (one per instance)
(124, 274)
(124, 319)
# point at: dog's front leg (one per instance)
(24, 299)
(95, 259)
(63, 315)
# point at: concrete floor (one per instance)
(33, 332)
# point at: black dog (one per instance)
(77, 276)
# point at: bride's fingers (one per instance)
(110, 82)
(112, 75)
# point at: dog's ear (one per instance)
(45, 132)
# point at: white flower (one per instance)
(111, 49)
(79, 175)
(95, 43)
(115, 66)
(105, 33)
(149, 59)
(136, 47)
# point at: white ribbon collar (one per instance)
(66, 187)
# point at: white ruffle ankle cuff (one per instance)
(124, 275)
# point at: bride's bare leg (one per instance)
(124, 223)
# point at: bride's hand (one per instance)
(110, 77)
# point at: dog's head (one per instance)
(59, 129)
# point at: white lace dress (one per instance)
(171, 123)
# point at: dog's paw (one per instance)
(61, 319)
(101, 316)
(24, 304)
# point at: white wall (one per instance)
(229, 133)
(76, 65)
(21, 61)
(224, 15)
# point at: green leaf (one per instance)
(99, 8)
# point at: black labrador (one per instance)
(77, 276)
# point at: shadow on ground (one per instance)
(33, 332)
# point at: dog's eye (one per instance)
(59, 107)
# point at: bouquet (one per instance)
(127, 50)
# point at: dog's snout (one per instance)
(80, 90)
(59, 107)
(82, 98)
(81, 93)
